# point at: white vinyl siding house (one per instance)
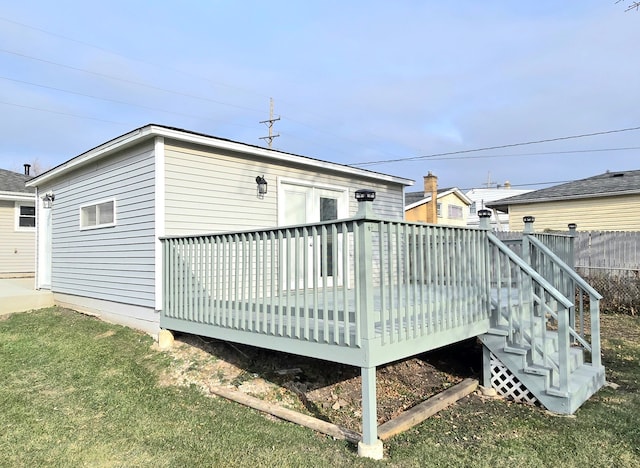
(114, 262)
(113, 203)
(214, 192)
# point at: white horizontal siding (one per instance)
(115, 263)
(17, 248)
(216, 191)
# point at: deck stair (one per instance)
(543, 380)
(538, 333)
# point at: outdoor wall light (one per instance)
(365, 195)
(47, 200)
(262, 186)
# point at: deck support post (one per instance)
(486, 367)
(370, 446)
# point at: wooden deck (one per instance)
(366, 291)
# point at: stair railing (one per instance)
(523, 300)
(573, 286)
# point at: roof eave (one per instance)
(17, 196)
(153, 130)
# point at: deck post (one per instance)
(528, 229)
(485, 219)
(370, 446)
(572, 233)
(486, 367)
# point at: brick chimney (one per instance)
(431, 189)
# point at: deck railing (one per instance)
(335, 283)
(523, 302)
(553, 256)
(584, 313)
(367, 291)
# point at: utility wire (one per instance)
(65, 113)
(511, 145)
(545, 153)
(116, 101)
(165, 67)
(125, 80)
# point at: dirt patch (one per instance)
(326, 390)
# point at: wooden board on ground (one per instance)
(428, 408)
(288, 415)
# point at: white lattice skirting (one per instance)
(507, 384)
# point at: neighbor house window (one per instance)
(455, 212)
(472, 209)
(25, 217)
(98, 215)
(439, 210)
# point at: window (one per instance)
(455, 212)
(439, 210)
(472, 208)
(98, 215)
(26, 217)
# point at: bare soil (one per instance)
(323, 389)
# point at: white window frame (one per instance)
(439, 209)
(18, 206)
(96, 204)
(455, 212)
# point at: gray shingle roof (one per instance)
(607, 184)
(14, 182)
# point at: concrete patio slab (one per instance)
(19, 295)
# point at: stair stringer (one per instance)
(584, 381)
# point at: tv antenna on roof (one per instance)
(269, 124)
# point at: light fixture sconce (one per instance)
(364, 195)
(47, 200)
(262, 186)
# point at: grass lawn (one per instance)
(79, 392)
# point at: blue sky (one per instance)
(354, 82)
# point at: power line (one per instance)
(125, 80)
(113, 100)
(166, 67)
(64, 113)
(511, 145)
(545, 153)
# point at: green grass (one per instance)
(79, 392)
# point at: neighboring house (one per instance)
(481, 196)
(17, 225)
(451, 206)
(606, 202)
(99, 247)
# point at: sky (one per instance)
(403, 88)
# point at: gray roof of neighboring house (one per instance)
(607, 184)
(14, 182)
(413, 197)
